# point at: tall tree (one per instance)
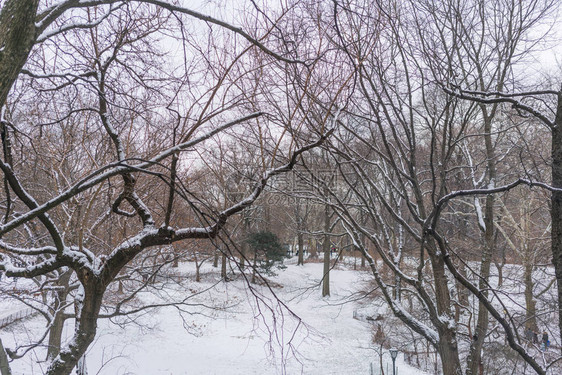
(98, 62)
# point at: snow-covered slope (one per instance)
(240, 335)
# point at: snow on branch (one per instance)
(399, 311)
(42, 268)
(473, 192)
(28, 251)
(271, 173)
(497, 97)
(510, 95)
(497, 189)
(112, 170)
(32, 204)
(88, 25)
(510, 334)
(151, 236)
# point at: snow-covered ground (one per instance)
(242, 336)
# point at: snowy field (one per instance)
(234, 333)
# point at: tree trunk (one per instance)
(254, 270)
(500, 264)
(556, 204)
(85, 330)
(197, 272)
(176, 262)
(447, 346)
(312, 248)
(530, 305)
(499, 267)
(55, 333)
(300, 239)
(216, 259)
(475, 353)
(363, 223)
(448, 351)
(244, 247)
(326, 248)
(223, 266)
(300, 236)
(462, 293)
(326, 270)
(197, 268)
(397, 288)
(4, 364)
(17, 37)
(243, 253)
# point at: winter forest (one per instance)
(393, 167)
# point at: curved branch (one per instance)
(503, 98)
(112, 170)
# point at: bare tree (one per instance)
(408, 148)
(100, 63)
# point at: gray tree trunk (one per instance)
(530, 305)
(55, 333)
(244, 246)
(363, 223)
(326, 248)
(85, 331)
(4, 364)
(197, 268)
(300, 239)
(216, 259)
(55, 336)
(223, 266)
(447, 346)
(300, 236)
(312, 248)
(475, 354)
(254, 270)
(556, 204)
(17, 37)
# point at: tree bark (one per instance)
(55, 333)
(556, 205)
(223, 266)
(449, 353)
(85, 331)
(530, 305)
(326, 270)
(312, 244)
(462, 293)
(475, 354)
(255, 267)
(197, 268)
(4, 364)
(244, 246)
(300, 239)
(17, 37)
(447, 345)
(326, 248)
(363, 223)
